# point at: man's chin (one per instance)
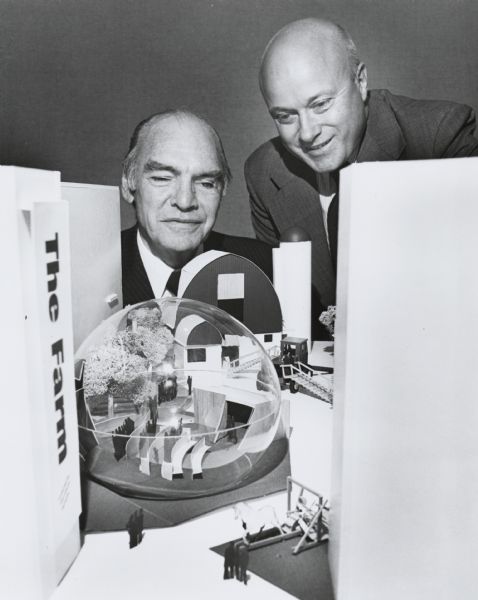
(178, 258)
(323, 164)
(183, 249)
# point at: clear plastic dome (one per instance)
(176, 399)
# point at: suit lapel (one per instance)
(136, 286)
(383, 139)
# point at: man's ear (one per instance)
(126, 191)
(362, 80)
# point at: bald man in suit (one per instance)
(315, 88)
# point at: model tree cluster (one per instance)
(119, 366)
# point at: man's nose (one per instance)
(309, 128)
(185, 197)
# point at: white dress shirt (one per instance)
(157, 271)
(327, 184)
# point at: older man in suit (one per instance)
(175, 174)
(315, 88)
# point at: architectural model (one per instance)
(176, 399)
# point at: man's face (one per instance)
(178, 187)
(317, 107)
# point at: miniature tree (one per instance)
(119, 365)
(146, 316)
(327, 318)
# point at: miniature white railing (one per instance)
(244, 362)
(304, 375)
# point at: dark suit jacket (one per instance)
(283, 190)
(136, 286)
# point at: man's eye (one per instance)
(209, 184)
(322, 105)
(160, 178)
(284, 118)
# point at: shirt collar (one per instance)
(158, 272)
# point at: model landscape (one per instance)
(178, 400)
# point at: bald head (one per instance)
(304, 40)
(315, 87)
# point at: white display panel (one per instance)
(404, 520)
(292, 282)
(95, 232)
(39, 442)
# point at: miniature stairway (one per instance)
(304, 376)
(243, 363)
(238, 365)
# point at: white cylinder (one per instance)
(292, 267)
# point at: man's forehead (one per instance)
(176, 128)
(180, 138)
(303, 84)
(294, 62)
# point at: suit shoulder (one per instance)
(263, 157)
(128, 243)
(429, 127)
(410, 111)
(128, 235)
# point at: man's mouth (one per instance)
(317, 148)
(179, 225)
(182, 221)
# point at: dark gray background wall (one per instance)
(77, 75)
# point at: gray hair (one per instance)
(130, 160)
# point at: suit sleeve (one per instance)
(261, 218)
(456, 133)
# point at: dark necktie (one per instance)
(173, 282)
(333, 226)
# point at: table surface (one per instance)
(176, 562)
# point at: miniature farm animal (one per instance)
(254, 520)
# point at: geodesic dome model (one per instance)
(176, 399)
